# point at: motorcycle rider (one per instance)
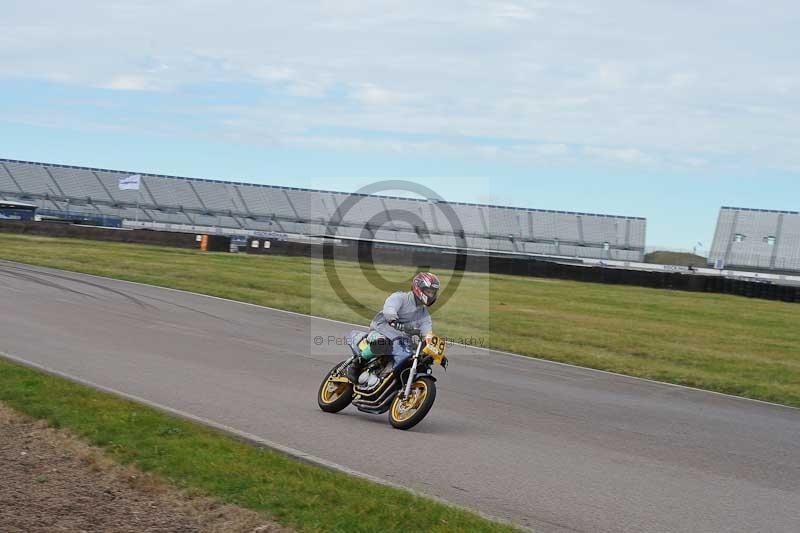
(402, 312)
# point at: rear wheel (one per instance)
(336, 391)
(405, 414)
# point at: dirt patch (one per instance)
(52, 481)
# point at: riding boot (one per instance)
(354, 370)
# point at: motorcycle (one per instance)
(401, 383)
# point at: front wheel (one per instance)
(336, 392)
(405, 414)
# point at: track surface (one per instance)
(547, 446)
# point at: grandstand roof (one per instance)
(761, 210)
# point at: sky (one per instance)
(667, 109)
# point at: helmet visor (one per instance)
(430, 293)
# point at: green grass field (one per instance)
(718, 342)
(206, 462)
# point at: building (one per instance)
(757, 239)
(193, 204)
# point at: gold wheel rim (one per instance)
(332, 391)
(402, 410)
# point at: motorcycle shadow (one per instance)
(434, 426)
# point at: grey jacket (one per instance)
(402, 306)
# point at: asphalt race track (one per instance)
(544, 445)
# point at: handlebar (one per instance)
(404, 328)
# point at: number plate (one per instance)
(436, 348)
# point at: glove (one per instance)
(398, 325)
(415, 339)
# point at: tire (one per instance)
(401, 416)
(332, 401)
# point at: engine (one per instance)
(375, 372)
(367, 380)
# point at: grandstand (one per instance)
(757, 239)
(193, 204)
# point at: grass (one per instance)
(717, 342)
(204, 461)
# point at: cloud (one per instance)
(620, 155)
(370, 94)
(681, 80)
(622, 83)
(511, 11)
(133, 82)
(434, 147)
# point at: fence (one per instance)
(364, 251)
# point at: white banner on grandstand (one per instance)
(130, 183)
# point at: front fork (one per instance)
(413, 372)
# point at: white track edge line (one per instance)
(500, 352)
(255, 439)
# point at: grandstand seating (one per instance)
(269, 202)
(251, 207)
(8, 187)
(213, 196)
(788, 247)
(80, 183)
(757, 239)
(32, 178)
(469, 219)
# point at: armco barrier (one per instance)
(216, 243)
(522, 266)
